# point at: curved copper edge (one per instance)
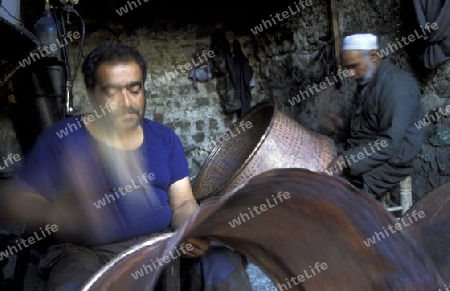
(216, 149)
(120, 257)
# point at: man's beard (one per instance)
(129, 124)
(371, 69)
(114, 120)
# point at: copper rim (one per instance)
(251, 152)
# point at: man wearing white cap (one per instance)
(387, 105)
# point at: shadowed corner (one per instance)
(432, 232)
(324, 220)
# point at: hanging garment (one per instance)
(242, 78)
(234, 87)
(437, 49)
(201, 70)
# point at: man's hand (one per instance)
(195, 248)
(336, 166)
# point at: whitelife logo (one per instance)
(398, 226)
(322, 85)
(224, 137)
(161, 261)
(43, 52)
(124, 9)
(11, 250)
(285, 14)
(392, 47)
(128, 188)
(263, 207)
(11, 158)
(300, 278)
(439, 112)
(184, 68)
(360, 155)
(88, 118)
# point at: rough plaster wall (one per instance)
(433, 165)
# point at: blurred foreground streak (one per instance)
(324, 220)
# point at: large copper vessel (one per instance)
(325, 219)
(263, 139)
(432, 230)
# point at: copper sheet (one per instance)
(324, 220)
(433, 230)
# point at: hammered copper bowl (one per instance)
(273, 140)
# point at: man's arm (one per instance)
(182, 201)
(25, 208)
(183, 204)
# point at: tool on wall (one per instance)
(335, 32)
(43, 85)
(51, 30)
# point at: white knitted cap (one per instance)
(363, 41)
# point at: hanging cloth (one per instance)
(242, 78)
(437, 49)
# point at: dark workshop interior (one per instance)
(294, 52)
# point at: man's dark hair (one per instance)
(110, 52)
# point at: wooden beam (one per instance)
(335, 32)
(159, 114)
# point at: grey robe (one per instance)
(387, 109)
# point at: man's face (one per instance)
(361, 69)
(121, 84)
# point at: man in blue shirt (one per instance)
(110, 179)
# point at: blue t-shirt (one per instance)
(116, 194)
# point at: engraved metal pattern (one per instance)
(274, 141)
